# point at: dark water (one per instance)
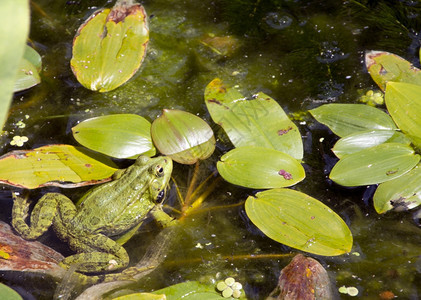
(301, 53)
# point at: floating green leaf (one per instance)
(403, 101)
(183, 136)
(299, 221)
(191, 290)
(33, 57)
(120, 135)
(374, 165)
(54, 165)
(384, 67)
(13, 35)
(8, 294)
(365, 139)
(260, 168)
(110, 46)
(402, 193)
(141, 296)
(28, 72)
(257, 122)
(346, 119)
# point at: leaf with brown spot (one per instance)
(110, 46)
(385, 66)
(256, 122)
(28, 256)
(304, 278)
(55, 165)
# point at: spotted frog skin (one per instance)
(114, 208)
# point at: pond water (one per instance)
(301, 53)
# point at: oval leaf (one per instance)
(299, 221)
(192, 290)
(8, 293)
(366, 139)
(346, 119)
(121, 135)
(54, 165)
(403, 101)
(257, 122)
(20, 255)
(374, 165)
(33, 57)
(27, 76)
(13, 35)
(183, 136)
(110, 46)
(384, 67)
(260, 168)
(402, 193)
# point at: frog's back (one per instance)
(116, 206)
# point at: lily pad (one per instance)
(120, 135)
(299, 221)
(183, 136)
(374, 165)
(365, 139)
(346, 119)
(110, 46)
(384, 67)
(403, 101)
(54, 165)
(256, 122)
(260, 168)
(402, 193)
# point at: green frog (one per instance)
(112, 209)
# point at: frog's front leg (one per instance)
(52, 207)
(162, 217)
(97, 253)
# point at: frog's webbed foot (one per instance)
(97, 253)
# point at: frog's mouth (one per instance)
(161, 196)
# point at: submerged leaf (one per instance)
(257, 122)
(346, 119)
(299, 221)
(305, 278)
(54, 165)
(374, 165)
(403, 101)
(402, 193)
(260, 168)
(384, 67)
(183, 136)
(110, 46)
(28, 256)
(120, 135)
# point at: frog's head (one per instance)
(159, 169)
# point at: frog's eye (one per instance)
(159, 171)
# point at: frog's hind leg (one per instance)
(97, 253)
(42, 215)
